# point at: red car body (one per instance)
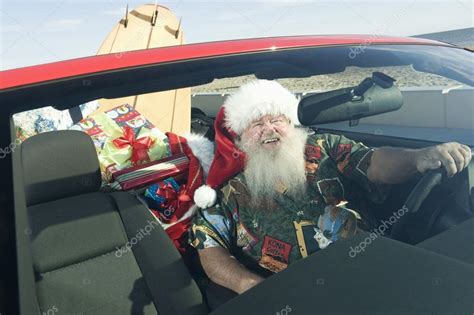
(59, 84)
(16, 78)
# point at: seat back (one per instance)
(59, 164)
(94, 252)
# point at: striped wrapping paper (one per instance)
(142, 175)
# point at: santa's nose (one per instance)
(268, 132)
(268, 127)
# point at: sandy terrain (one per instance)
(405, 76)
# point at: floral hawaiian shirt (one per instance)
(275, 234)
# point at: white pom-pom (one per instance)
(205, 197)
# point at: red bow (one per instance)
(173, 199)
(167, 192)
(139, 146)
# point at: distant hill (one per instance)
(462, 37)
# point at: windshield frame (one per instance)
(282, 63)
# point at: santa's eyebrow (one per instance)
(257, 122)
(272, 118)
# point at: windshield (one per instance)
(436, 85)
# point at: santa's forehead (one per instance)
(268, 117)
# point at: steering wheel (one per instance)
(416, 198)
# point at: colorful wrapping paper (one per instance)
(46, 119)
(140, 176)
(119, 135)
(164, 198)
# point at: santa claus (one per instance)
(275, 190)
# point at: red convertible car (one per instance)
(59, 231)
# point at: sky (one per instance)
(35, 32)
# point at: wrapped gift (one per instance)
(140, 176)
(46, 119)
(124, 138)
(163, 199)
(94, 130)
(21, 134)
(160, 193)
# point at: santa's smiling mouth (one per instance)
(271, 140)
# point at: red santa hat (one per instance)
(250, 102)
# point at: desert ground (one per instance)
(406, 77)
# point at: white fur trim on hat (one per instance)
(205, 197)
(256, 99)
(202, 148)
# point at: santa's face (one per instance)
(274, 151)
(266, 132)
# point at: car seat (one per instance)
(94, 252)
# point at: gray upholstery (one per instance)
(388, 277)
(104, 284)
(59, 164)
(449, 242)
(78, 228)
(166, 276)
(93, 252)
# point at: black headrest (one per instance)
(59, 164)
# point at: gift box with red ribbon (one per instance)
(124, 138)
(177, 166)
(139, 146)
(163, 199)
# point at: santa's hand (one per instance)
(452, 155)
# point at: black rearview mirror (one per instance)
(373, 96)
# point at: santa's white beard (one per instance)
(285, 165)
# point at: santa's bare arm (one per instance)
(396, 165)
(225, 270)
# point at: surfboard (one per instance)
(151, 26)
